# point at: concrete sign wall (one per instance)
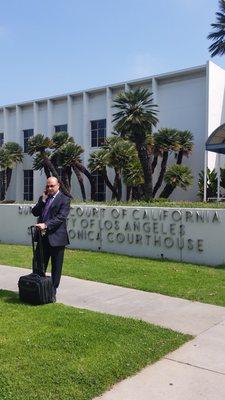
(193, 235)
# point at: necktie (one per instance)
(47, 207)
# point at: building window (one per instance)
(27, 134)
(61, 128)
(99, 195)
(1, 138)
(98, 132)
(28, 192)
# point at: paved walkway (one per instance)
(196, 371)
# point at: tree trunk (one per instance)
(9, 176)
(2, 185)
(118, 185)
(91, 179)
(5, 183)
(180, 157)
(47, 172)
(154, 162)
(162, 172)
(129, 193)
(146, 163)
(81, 182)
(108, 183)
(66, 177)
(168, 189)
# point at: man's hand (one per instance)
(41, 226)
(44, 196)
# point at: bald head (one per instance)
(52, 185)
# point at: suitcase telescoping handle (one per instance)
(37, 267)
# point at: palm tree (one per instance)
(177, 176)
(185, 145)
(38, 164)
(39, 145)
(98, 162)
(218, 35)
(165, 140)
(11, 154)
(134, 120)
(185, 141)
(133, 178)
(120, 154)
(67, 154)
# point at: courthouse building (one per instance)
(190, 99)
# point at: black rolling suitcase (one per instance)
(36, 288)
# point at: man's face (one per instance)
(52, 186)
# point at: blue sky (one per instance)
(49, 47)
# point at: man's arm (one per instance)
(38, 208)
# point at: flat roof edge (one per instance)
(186, 71)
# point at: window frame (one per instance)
(60, 128)
(98, 132)
(27, 134)
(100, 195)
(28, 185)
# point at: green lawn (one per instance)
(194, 282)
(55, 352)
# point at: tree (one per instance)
(185, 145)
(218, 34)
(120, 154)
(134, 120)
(98, 163)
(165, 141)
(133, 177)
(39, 145)
(177, 176)
(67, 155)
(11, 154)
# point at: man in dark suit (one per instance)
(52, 211)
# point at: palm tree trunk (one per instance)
(129, 193)
(180, 157)
(5, 183)
(146, 163)
(108, 183)
(162, 172)
(2, 185)
(84, 170)
(168, 189)
(118, 185)
(154, 162)
(9, 176)
(47, 172)
(81, 182)
(66, 177)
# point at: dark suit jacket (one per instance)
(57, 218)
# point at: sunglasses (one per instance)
(51, 186)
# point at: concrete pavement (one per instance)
(195, 371)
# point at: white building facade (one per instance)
(191, 99)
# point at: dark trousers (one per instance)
(56, 254)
